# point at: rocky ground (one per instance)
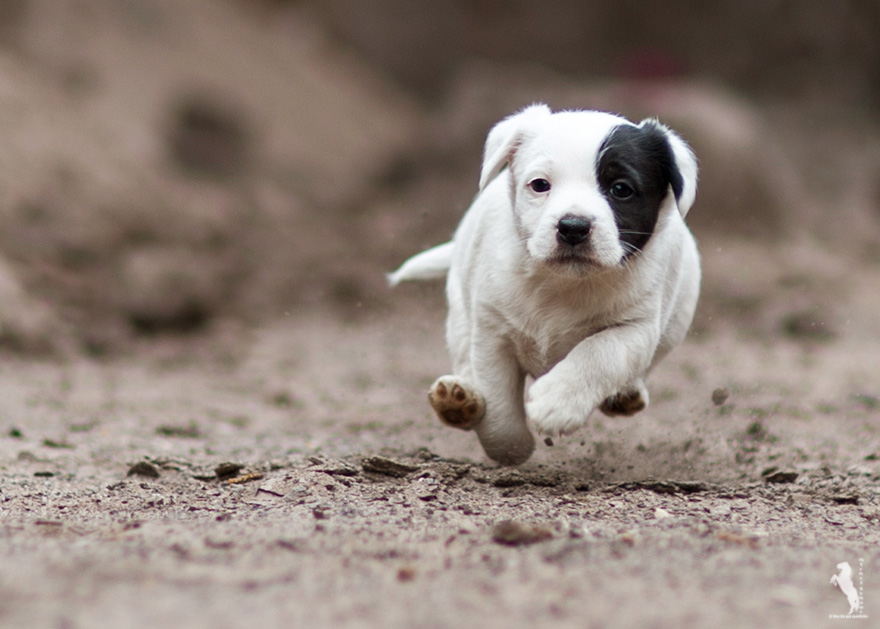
(305, 483)
(214, 410)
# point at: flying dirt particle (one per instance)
(513, 533)
(406, 574)
(142, 468)
(720, 395)
(548, 442)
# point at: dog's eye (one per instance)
(621, 190)
(539, 185)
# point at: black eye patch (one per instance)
(638, 161)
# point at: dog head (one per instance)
(587, 188)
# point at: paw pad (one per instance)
(624, 403)
(456, 404)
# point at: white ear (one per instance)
(503, 139)
(686, 162)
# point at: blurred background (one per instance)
(175, 169)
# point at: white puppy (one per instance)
(573, 265)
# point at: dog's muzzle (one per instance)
(573, 230)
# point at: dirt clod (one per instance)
(387, 467)
(781, 476)
(225, 471)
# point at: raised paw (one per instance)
(456, 403)
(626, 402)
(552, 410)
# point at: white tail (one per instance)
(431, 264)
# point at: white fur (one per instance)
(586, 330)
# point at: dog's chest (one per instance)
(540, 344)
(544, 323)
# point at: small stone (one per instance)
(142, 468)
(846, 499)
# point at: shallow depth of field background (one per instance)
(170, 170)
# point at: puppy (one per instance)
(573, 266)
(845, 583)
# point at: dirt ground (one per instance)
(214, 411)
(349, 505)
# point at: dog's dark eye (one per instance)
(539, 185)
(621, 190)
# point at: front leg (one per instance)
(503, 431)
(596, 369)
(486, 395)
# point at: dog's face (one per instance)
(587, 188)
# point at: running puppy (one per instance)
(573, 266)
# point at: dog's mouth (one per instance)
(574, 260)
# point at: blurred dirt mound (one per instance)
(167, 163)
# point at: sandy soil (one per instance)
(349, 505)
(214, 411)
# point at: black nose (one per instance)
(573, 230)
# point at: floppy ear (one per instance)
(686, 162)
(504, 138)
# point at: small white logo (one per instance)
(855, 598)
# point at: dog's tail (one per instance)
(431, 264)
